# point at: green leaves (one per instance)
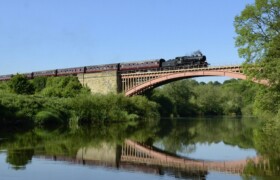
(19, 84)
(258, 41)
(39, 83)
(188, 98)
(256, 26)
(68, 86)
(92, 109)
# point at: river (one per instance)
(192, 148)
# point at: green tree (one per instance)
(208, 99)
(68, 86)
(180, 94)
(256, 26)
(166, 106)
(258, 40)
(239, 95)
(19, 84)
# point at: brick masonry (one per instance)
(100, 82)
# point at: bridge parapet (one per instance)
(234, 68)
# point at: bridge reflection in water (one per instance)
(140, 157)
(139, 153)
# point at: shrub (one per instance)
(68, 86)
(39, 83)
(48, 118)
(19, 84)
(88, 109)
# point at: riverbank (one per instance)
(63, 101)
(34, 110)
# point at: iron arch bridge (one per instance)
(134, 83)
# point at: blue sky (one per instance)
(50, 34)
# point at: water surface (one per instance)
(102, 152)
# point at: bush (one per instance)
(48, 118)
(111, 108)
(19, 84)
(66, 86)
(4, 87)
(39, 83)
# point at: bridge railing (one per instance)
(237, 68)
(132, 79)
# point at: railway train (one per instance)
(197, 59)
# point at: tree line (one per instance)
(186, 98)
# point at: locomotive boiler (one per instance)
(197, 59)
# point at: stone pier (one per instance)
(101, 82)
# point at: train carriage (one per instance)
(6, 77)
(70, 71)
(45, 73)
(28, 75)
(141, 65)
(99, 68)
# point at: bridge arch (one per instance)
(161, 80)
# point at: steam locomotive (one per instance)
(197, 59)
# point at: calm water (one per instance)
(165, 149)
